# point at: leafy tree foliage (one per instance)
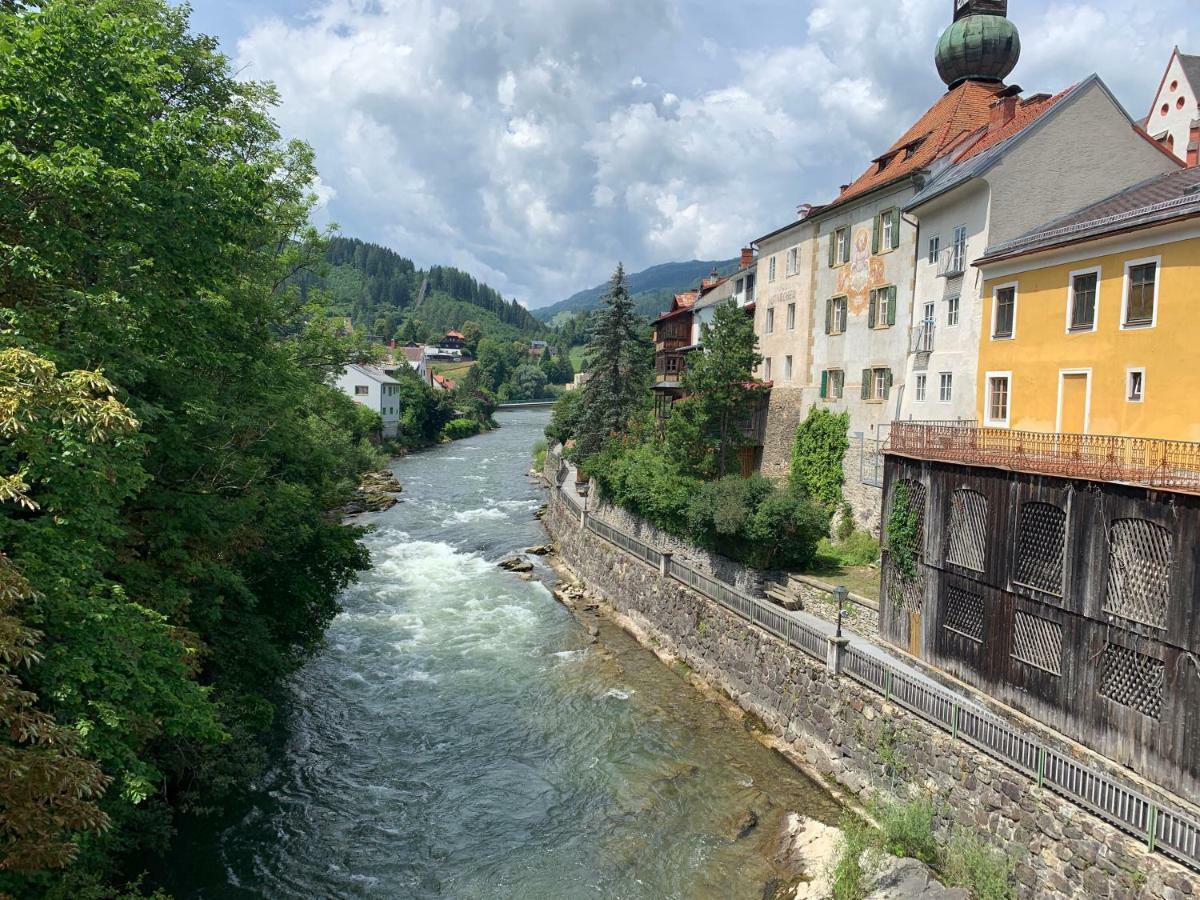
(817, 454)
(617, 358)
(153, 227)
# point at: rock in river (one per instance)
(517, 564)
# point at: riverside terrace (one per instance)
(1057, 573)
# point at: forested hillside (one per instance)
(651, 289)
(381, 292)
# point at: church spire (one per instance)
(980, 45)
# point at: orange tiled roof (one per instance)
(958, 113)
(1026, 114)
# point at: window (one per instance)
(787, 368)
(882, 310)
(750, 280)
(771, 270)
(793, 259)
(876, 384)
(951, 311)
(1141, 293)
(885, 231)
(1135, 381)
(946, 387)
(1004, 312)
(930, 317)
(672, 364)
(791, 317)
(833, 384)
(767, 369)
(920, 389)
(1085, 291)
(770, 328)
(935, 246)
(839, 247)
(960, 244)
(361, 390)
(997, 399)
(835, 315)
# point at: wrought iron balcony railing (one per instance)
(952, 261)
(1173, 465)
(922, 338)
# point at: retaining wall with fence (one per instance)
(864, 719)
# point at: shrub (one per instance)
(859, 549)
(456, 429)
(647, 483)
(564, 418)
(539, 454)
(817, 454)
(849, 874)
(970, 863)
(906, 830)
(846, 524)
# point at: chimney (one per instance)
(803, 210)
(1004, 107)
(747, 257)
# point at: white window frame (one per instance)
(767, 369)
(945, 379)
(1158, 273)
(953, 303)
(839, 237)
(841, 383)
(987, 400)
(935, 248)
(845, 322)
(1016, 288)
(793, 261)
(1129, 373)
(791, 317)
(878, 383)
(960, 246)
(1090, 270)
(919, 388)
(885, 231)
(787, 368)
(1087, 403)
(769, 326)
(771, 270)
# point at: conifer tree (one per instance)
(616, 357)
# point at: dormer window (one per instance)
(911, 149)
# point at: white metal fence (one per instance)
(1118, 801)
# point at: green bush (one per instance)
(906, 830)
(859, 549)
(969, 863)
(850, 872)
(846, 525)
(817, 454)
(539, 454)
(645, 482)
(457, 429)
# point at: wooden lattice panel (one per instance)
(916, 497)
(963, 613)
(1132, 679)
(1139, 571)
(1037, 642)
(1040, 547)
(968, 529)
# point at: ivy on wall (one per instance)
(903, 525)
(821, 444)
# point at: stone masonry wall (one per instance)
(847, 733)
(784, 415)
(865, 499)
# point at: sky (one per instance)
(535, 143)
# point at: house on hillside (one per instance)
(672, 341)
(1174, 117)
(454, 340)
(374, 389)
(414, 355)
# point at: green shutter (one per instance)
(895, 228)
(824, 385)
(832, 248)
(866, 384)
(875, 234)
(829, 316)
(872, 313)
(891, 305)
(887, 383)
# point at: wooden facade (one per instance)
(1073, 601)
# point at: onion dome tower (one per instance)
(981, 44)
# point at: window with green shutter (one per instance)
(824, 385)
(873, 309)
(833, 242)
(829, 316)
(887, 383)
(895, 228)
(875, 233)
(866, 384)
(891, 305)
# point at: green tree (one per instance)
(721, 388)
(616, 357)
(817, 455)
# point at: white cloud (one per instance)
(522, 139)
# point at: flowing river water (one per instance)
(462, 736)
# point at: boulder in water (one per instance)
(516, 564)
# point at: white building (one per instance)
(374, 389)
(1174, 119)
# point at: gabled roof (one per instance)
(456, 334)
(1191, 70)
(1028, 111)
(413, 354)
(956, 115)
(373, 372)
(680, 304)
(1162, 198)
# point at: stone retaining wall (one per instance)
(850, 734)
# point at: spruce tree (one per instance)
(617, 358)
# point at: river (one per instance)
(460, 735)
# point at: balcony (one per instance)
(1171, 465)
(921, 338)
(952, 261)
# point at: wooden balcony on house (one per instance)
(1149, 462)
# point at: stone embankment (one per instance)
(864, 745)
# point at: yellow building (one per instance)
(1091, 323)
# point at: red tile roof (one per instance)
(681, 304)
(1027, 112)
(958, 114)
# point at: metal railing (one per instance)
(952, 261)
(1171, 831)
(1174, 465)
(921, 340)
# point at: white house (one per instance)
(374, 389)
(1174, 119)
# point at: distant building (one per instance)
(414, 354)
(443, 354)
(1174, 119)
(374, 389)
(672, 340)
(454, 340)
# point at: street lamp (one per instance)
(839, 594)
